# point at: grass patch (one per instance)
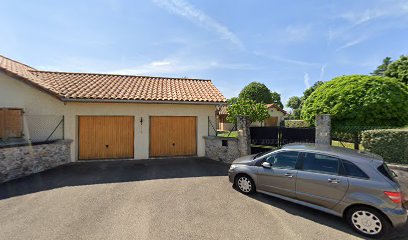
(346, 145)
(232, 134)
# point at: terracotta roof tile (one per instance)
(223, 110)
(94, 86)
(273, 105)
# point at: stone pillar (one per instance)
(323, 129)
(244, 136)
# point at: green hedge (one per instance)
(296, 124)
(350, 133)
(391, 144)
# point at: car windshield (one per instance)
(262, 154)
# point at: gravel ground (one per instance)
(165, 199)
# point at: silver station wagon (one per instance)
(347, 183)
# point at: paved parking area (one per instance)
(156, 199)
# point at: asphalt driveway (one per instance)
(156, 199)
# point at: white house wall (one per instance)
(16, 94)
(273, 113)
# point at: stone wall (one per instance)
(215, 150)
(244, 135)
(323, 129)
(21, 161)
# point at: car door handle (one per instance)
(289, 175)
(333, 180)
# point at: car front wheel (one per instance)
(368, 222)
(245, 184)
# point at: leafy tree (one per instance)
(359, 100)
(399, 69)
(310, 90)
(295, 114)
(257, 92)
(257, 112)
(294, 102)
(382, 68)
(276, 98)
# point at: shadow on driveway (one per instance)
(115, 171)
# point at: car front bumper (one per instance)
(231, 175)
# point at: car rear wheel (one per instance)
(368, 222)
(245, 184)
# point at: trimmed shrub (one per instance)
(358, 100)
(296, 124)
(391, 144)
(257, 92)
(352, 133)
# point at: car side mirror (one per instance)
(266, 165)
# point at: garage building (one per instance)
(111, 116)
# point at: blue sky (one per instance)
(288, 45)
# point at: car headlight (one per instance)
(233, 167)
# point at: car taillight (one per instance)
(396, 197)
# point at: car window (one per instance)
(351, 170)
(320, 163)
(384, 170)
(283, 160)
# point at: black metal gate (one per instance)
(278, 136)
(268, 136)
(297, 135)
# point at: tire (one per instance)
(244, 184)
(368, 222)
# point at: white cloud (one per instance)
(49, 68)
(297, 33)
(361, 26)
(395, 8)
(195, 15)
(351, 43)
(322, 71)
(179, 67)
(160, 63)
(306, 80)
(285, 60)
(360, 17)
(404, 6)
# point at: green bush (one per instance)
(257, 92)
(296, 124)
(359, 100)
(350, 133)
(391, 144)
(257, 112)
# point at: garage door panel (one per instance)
(173, 136)
(106, 137)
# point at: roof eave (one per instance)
(89, 100)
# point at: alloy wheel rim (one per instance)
(244, 184)
(366, 222)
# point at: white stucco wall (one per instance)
(16, 94)
(273, 113)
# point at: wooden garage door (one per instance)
(271, 121)
(106, 137)
(173, 136)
